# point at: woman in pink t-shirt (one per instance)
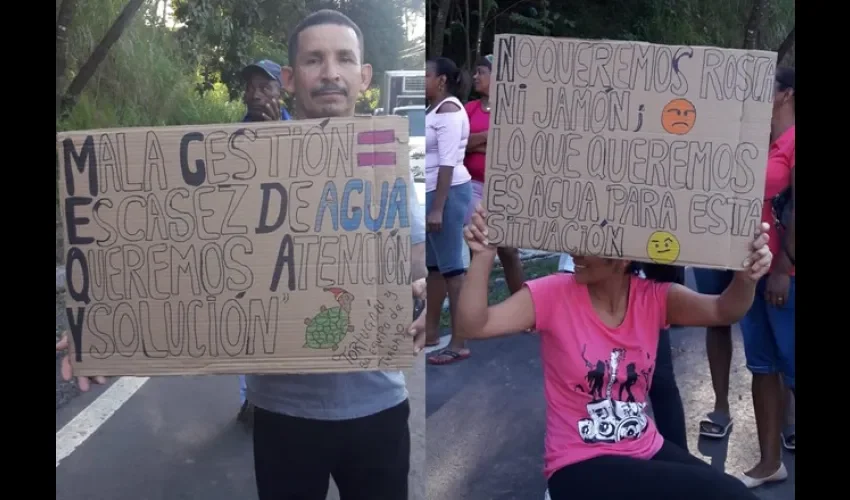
(599, 330)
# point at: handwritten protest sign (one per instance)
(628, 150)
(250, 248)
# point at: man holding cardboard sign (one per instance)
(335, 421)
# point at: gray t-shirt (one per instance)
(337, 396)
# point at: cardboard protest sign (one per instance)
(628, 150)
(249, 248)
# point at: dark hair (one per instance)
(318, 18)
(457, 81)
(485, 61)
(786, 79)
(663, 273)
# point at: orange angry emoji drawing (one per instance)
(678, 116)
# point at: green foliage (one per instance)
(382, 24)
(695, 22)
(225, 35)
(155, 75)
(368, 101)
(145, 80)
(534, 21)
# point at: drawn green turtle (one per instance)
(326, 329)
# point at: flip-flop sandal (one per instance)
(716, 426)
(789, 438)
(432, 344)
(438, 358)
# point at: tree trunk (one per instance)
(64, 17)
(63, 24)
(439, 28)
(785, 46)
(469, 61)
(753, 24)
(98, 55)
(479, 37)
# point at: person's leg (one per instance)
(789, 430)
(718, 345)
(454, 282)
(512, 267)
(435, 286)
(670, 452)
(375, 460)
(436, 294)
(293, 457)
(625, 477)
(760, 349)
(782, 323)
(667, 408)
(449, 244)
(514, 276)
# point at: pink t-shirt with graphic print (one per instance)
(596, 378)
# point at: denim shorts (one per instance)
(444, 250)
(477, 196)
(769, 335)
(712, 281)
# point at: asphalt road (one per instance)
(176, 438)
(485, 419)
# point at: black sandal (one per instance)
(453, 357)
(716, 426)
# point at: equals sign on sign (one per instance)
(376, 158)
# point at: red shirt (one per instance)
(780, 160)
(479, 121)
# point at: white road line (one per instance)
(75, 432)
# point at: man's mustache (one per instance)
(329, 89)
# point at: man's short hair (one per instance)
(318, 18)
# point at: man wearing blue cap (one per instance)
(262, 100)
(262, 92)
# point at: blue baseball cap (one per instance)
(267, 67)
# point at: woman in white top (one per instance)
(448, 191)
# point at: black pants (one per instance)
(672, 474)
(667, 408)
(368, 458)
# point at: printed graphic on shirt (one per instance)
(612, 420)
